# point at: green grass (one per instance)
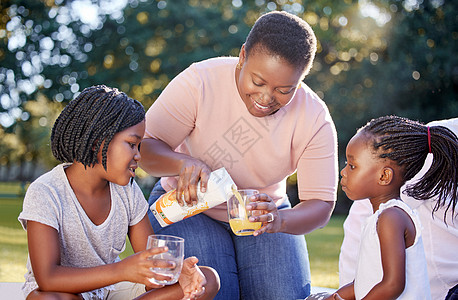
(12, 189)
(13, 241)
(323, 246)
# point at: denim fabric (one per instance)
(270, 266)
(452, 293)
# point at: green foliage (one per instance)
(406, 67)
(400, 60)
(153, 44)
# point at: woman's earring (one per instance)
(239, 66)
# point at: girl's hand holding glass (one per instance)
(169, 266)
(138, 267)
(167, 263)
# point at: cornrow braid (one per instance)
(406, 142)
(93, 118)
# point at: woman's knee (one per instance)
(213, 282)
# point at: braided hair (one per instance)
(286, 35)
(407, 143)
(93, 118)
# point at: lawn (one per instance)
(323, 245)
(13, 241)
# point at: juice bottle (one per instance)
(167, 210)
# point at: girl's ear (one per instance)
(94, 146)
(386, 176)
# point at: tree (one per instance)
(374, 57)
(399, 60)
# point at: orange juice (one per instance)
(243, 226)
(239, 199)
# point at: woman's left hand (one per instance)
(264, 210)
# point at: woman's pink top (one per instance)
(200, 113)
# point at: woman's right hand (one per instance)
(192, 171)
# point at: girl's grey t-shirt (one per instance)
(50, 200)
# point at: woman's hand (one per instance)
(264, 210)
(138, 267)
(192, 171)
(192, 280)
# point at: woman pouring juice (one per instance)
(253, 115)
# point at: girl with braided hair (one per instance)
(381, 157)
(78, 214)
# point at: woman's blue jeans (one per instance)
(270, 266)
(452, 293)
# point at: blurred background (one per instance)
(374, 58)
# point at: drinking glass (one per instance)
(175, 254)
(238, 215)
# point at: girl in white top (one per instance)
(440, 234)
(77, 215)
(381, 157)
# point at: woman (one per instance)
(254, 116)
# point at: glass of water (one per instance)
(175, 254)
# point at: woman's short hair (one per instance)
(286, 35)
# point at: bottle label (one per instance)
(167, 210)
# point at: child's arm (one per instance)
(138, 234)
(44, 251)
(346, 292)
(391, 228)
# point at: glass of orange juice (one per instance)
(238, 215)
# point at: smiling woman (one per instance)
(267, 83)
(253, 115)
